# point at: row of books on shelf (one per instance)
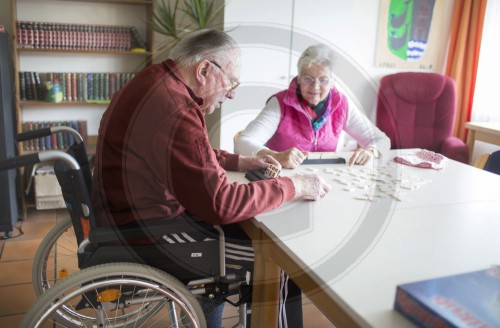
(56, 141)
(74, 86)
(46, 35)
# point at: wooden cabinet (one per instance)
(79, 16)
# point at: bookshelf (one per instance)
(78, 53)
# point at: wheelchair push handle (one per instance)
(18, 161)
(28, 135)
(23, 160)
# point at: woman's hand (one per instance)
(251, 163)
(361, 156)
(289, 159)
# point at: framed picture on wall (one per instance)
(413, 34)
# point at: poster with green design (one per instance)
(413, 34)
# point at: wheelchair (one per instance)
(114, 285)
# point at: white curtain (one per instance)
(486, 106)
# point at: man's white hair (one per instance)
(206, 44)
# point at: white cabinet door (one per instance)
(262, 28)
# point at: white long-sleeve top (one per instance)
(251, 140)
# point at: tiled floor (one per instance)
(16, 289)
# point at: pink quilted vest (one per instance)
(295, 129)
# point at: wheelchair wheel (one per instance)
(117, 295)
(56, 257)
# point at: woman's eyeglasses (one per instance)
(234, 83)
(309, 80)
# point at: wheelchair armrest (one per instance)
(154, 228)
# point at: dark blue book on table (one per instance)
(469, 300)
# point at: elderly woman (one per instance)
(309, 117)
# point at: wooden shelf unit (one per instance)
(27, 201)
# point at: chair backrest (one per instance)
(493, 163)
(416, 110)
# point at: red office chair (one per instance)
(417, 110)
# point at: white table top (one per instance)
(359, 251)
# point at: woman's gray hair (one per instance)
(206, 44)
(317, 54)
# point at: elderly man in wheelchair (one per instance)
(161, 204)
(126, 292)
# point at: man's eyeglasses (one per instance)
(309, 80)
(234, 83)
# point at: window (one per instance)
(486, 106)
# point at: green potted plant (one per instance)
(174, 19)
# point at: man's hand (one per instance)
(289, 159)
(361, 156)
(310, 186)
(251, 163)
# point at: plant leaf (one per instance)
(165, 18)
(201, 12)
